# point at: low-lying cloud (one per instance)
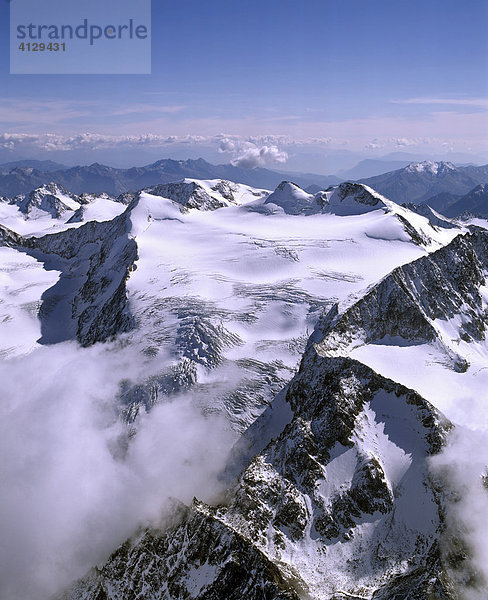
(73, 486)
(461, 472)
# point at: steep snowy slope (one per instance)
(292, 200)
(425, 324)
(212, 289)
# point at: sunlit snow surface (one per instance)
(424, 368)
(235, 291)
(38, 222)
(265, 278)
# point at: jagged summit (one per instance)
(206, 195)
(437, 299)
(186, 193)
(344, 200)
(405, 222)
(50, 198)
(323, 512)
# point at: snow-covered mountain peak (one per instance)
(50, 198)
(292, 199)
(430, 167)
(397, 222)
(206, 194)
(332, 497)
(355, 199)
(438, 299)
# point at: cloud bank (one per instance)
(73, 486)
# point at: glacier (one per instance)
(213, 391)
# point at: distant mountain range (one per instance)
(418, 182)
(371, 167)
(96, 178)
(40, 165)
(475, 202)
(438, 184)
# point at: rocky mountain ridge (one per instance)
(407, 303)
(330, 494)
(328, 501)
(315, 515)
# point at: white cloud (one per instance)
(260, 157)
(374, 144)
(253, 152)
(405, 142)
(228, 145)
(73, 486)
(459, 470)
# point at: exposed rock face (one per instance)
(436, 219)
(47, 198)
(100, 256)
(89, 302)
(192, 194)
(354, 198)
(408, 302)
(323, 512)
(9, 237)
(188, 194)
(357, 199)
(201, 558)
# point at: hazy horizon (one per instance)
(312, 88)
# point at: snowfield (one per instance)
(195, 319)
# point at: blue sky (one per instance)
(309, 78)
